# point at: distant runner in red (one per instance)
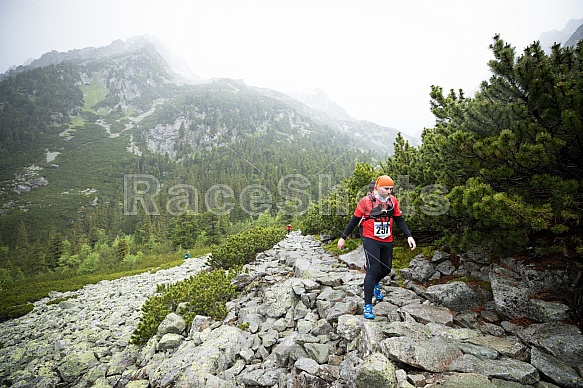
(288, 227)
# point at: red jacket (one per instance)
(382, 226)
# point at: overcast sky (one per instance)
(376, 58)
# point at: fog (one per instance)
(377, 59)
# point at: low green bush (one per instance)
(350, 245)
(15, 311)
(206, 294)
(242, 248)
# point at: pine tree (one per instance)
(122, 249)
(511, 156)
(54, 249)
(22, 236)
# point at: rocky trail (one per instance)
(298, 323)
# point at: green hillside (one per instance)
(87, 144)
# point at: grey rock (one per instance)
(428, 313)
(467, 318)
(349, 326)
(349, 368)
(445, 268)
(475, 255)
(169, 341)
(439, 257)
(318, 352)
(511, 296)
(456, 296)
(434, 355)
(74, 365)
(406, 329)
(400, 296)
(353, 259)
(376, 372)
(557, 339)
(510, 347)
(491, 329)
(464, 380)
(340, 308)
(506, 369)
(421, 269)
(479, 351)
(451, 333)
(278, 300)
(69, 304)
(308, 365)
(260, 377)
(557, 371)
(173, 323)
(543, 311)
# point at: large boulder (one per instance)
(506, 369)
(510, 294)
(457, 296)
(434, 355)
(558, 339)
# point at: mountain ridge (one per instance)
(72, 129)
(317, 103)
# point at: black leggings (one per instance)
(378, 259)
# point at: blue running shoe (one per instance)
(368, 311)
(378, 293)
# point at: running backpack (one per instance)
(378, 212)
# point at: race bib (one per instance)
(382, 229)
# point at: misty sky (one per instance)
(376, 58)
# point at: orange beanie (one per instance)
(384, 180)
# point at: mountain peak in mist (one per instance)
(116, 47)
(549, 38)
(319, 99)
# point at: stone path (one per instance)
(297, 323)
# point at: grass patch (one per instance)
(77, 121)
(350, 245)
(92, 94)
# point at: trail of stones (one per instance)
(296, 323)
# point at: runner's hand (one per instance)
(411, 242)
(341, 244)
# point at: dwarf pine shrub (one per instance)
(12, 312)
(206, 294)
(242, 248)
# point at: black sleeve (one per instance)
(351, 225)
(402, 226)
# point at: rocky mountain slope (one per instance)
(298, 323)
(73, 124)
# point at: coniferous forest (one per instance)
(500, 170)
